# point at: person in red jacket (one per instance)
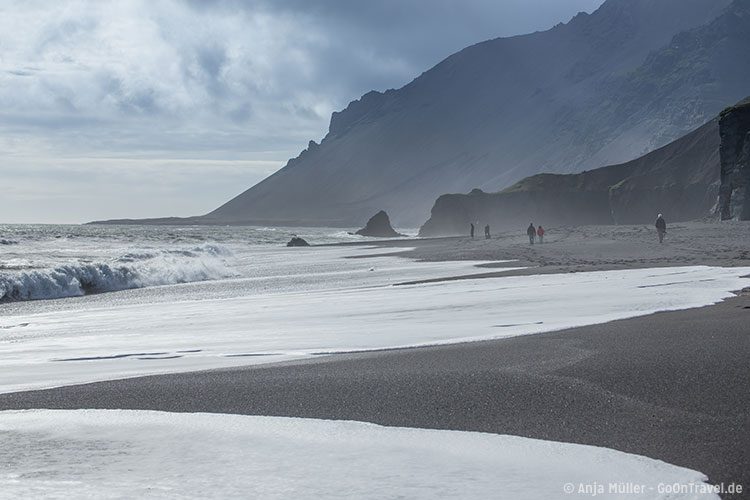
(540, 234)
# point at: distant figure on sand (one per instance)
(487, 232)
(531, 231)
(472, 230)
(661, 228)
(540, 234)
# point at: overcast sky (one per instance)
(150, 108)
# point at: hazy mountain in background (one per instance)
(680, 179)
(601, 89)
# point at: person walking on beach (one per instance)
(540, 234)
(531, 231)
(471, 230)
(487, 232)
(661, 228)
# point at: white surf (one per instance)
(145, 454)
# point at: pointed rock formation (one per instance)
(379, 226)
(296, 241)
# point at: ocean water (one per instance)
(39, 262)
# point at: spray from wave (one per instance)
(132, 270)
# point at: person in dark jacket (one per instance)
(661, 228)
(531, 231)
(487, 232)
(540, 234)
(471, 230)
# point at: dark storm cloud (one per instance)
(412, 34)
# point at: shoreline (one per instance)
(590, 248)
(249, 330)
(670, 386)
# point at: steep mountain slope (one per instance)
(680, 180)
(676, 89)
(590, 92)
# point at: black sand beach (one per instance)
(671, 386)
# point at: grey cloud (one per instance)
(241, 113)
(65, 32)
(422, 32)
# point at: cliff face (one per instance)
(452, 213)
(603, 88)
(734, 129)
(680, 180)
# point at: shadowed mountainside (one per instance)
(680, 180)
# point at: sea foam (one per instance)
(132, 270)
(135, 454)
(111, 341)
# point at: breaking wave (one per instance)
(8, 242)
(132, 270)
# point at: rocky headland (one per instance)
(680, 180)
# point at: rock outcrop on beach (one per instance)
(734, 129)
(296, 241)
(680, 180)
(379, 226)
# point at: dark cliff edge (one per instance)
(680, 180)
(734, 130)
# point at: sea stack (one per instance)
(379, 226)
(296, 241)
(734, 193)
